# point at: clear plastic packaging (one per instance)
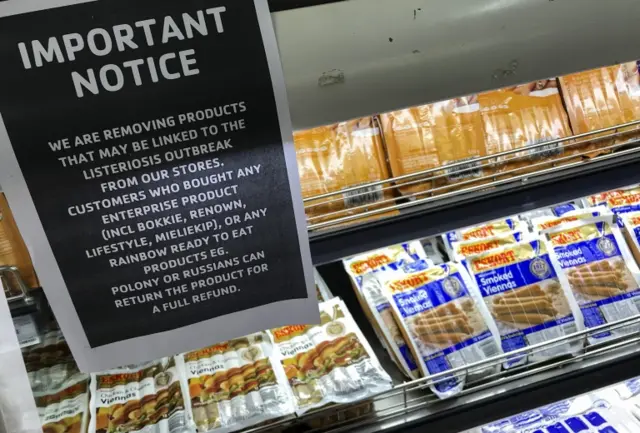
(549, 222)
(145, 397)
(445, 327)
(463, 249)
(331, 362)
(527, 294)
(482, 231)
(601, 272)
(236, 384)
(65, 407)
(363, 270)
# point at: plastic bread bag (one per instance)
(600, 270)
(322, 290)
(331, 362)
(461, 250)
(65, 408)
(527, 294)
(586, 413)
(546, 223)
(236, 384)
(444, 326)
(145, 397)
(631, 231)
(362, 270)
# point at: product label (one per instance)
(474, 247)
(488, 230)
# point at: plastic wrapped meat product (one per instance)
(600, 270)
(334, 157)
(461, 250)
(525, 115)
(564, 208)
(65, 408)
(50, 363)
(13, 251)
(362, 270)
(629, 202)
(527, 294)
(631, 233)
(481, 231)
(146, 397)
(331, 362)
(603, 197)
(546, 223)
(236, 384)
(589, 413)
(445, 327)
(322, 291)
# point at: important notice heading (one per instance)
(125, 37)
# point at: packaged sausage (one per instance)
(145, 397)
(334, 157)
(525, 290)
(464, 249)
(481, 231)
(410, 145)
(545, 223)
(631, 231)
(525, 115)
(65, 408)
(603, 197)
(362, 270)
(600, 270)
(564, 208)
(49, 364)
(625, 203)
(445, 328)
(331, 362)
(13, 250)
(236, 384)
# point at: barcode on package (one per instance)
(546, 151)
(464, 171)
(362, 196)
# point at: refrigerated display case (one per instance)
(353, 59)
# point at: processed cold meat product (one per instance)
(334, 157)
(601, 272)
(236, 384)
(148, 396)
(521, 116)
(463, 249)
(545, 223)
(362, 270)
(481, 231)
(65, 408)
(524, 289)
(631, 231)
(445, 327)
(13, 251)
(628, 202)
(331, 362)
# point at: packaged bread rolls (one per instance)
(334, 157)
(527, 294)
(593, 103)
(363, 270)
(600, 270)
(411, 145)
(521, 116)
(13, 251)
(627, 79)
(331, 362)
(444, 326)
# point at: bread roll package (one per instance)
(334, 157)
(444, 326)
(627, 79)
(363, 270)
(527, 294)
(236, 384)
(410, 145)
(593, 102)
(331, 362)
(145, 397)
(601, 272)
(13, 251)
(521, 116)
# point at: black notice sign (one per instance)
(150, 140)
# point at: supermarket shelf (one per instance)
(430, 214)
(411, 407)
(353, 58)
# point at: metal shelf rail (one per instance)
(617, 148)
(410, 404)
